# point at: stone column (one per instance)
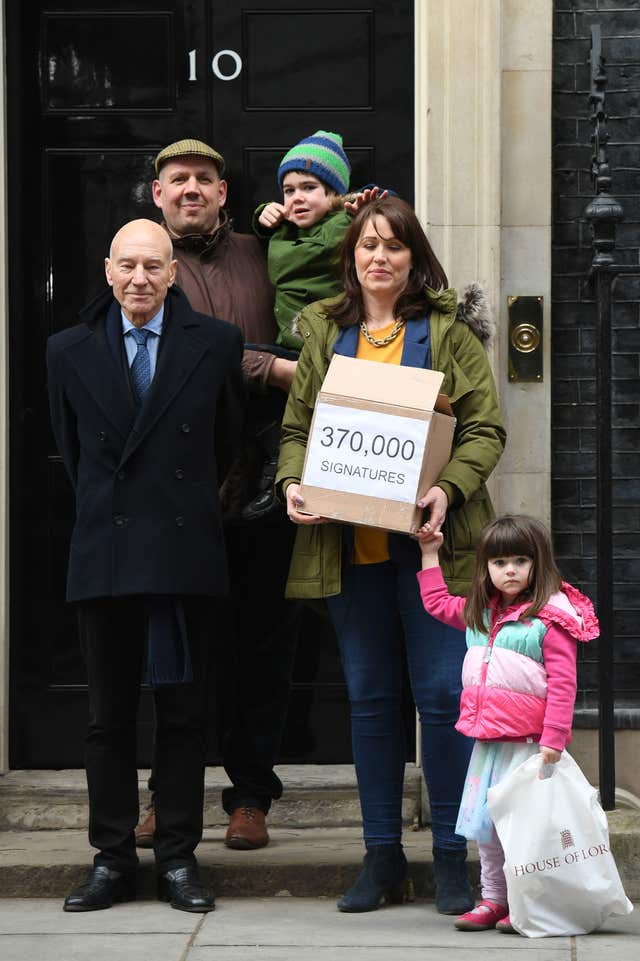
(483, 190)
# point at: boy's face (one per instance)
(306, 199)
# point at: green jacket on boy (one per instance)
(301, 262)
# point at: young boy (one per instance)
(304, 234)
(306, 229)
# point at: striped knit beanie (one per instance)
(321, 155)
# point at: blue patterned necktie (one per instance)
(141, 364)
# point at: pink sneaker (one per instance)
(506, 926)
(483, 917)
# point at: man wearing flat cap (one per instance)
(224, 274)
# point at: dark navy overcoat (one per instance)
(146, 478)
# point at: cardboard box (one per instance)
(380, 437)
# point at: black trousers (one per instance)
(259, 661)
(258, 634)
(112, 634)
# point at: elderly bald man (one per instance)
(146, 401)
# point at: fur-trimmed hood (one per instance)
(473, 310)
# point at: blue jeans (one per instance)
(365, 616)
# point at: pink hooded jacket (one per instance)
(519, 681)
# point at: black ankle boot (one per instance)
(383, 878)
(454, 894)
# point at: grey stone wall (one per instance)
(573, 415)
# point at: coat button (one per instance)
(102, 436)
(179, 521)
(185, 428)
(119, 520)
(121, 475)
(178, 474)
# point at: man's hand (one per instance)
(364, 197)
(436, 502)
(294, 502)
(272, 215)
(281, 373)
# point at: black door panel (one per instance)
(94, 91)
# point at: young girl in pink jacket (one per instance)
(522, 623)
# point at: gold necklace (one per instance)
(397, 327)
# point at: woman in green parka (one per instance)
(397, 308)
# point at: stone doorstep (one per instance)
(314, 796)
(311, 862)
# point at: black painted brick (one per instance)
(628, 288)
(624, 155)
(565, 342)
(626, 365)
(625, 439)
(626, 465)
(564, 5)
(568, 260)
(607, 5)
(567, 545)
(573, 340)
(625, 415)
(627, 545)
(565, 493)
(587, 392)
(563, 439)
(569, 51)
(587, 438)
(564, 78)
(566, 464)
(625, 314)
(626, 341)
(567, 519)
(569, 415)
(566, 391)
(626, 519)
(626, 491)
(620, 24)
(575, 313)
(574, 366)
(621, 49)
(566, 234)
(588, 492)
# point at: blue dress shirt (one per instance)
(155, 326)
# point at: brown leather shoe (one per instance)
(146, 829)
(247, 830)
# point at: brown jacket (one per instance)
(224, 274)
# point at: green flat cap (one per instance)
(189, 148)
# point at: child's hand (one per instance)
(272, 215)
(364, 197)
(548, 755)
(430, 543)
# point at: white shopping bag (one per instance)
(561, 876)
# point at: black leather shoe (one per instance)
(102, 888)
(185, 891)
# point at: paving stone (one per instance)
(97, 947)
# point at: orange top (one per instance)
(370, 544)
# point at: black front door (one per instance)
(94, 90)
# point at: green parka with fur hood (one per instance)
(456, 335)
